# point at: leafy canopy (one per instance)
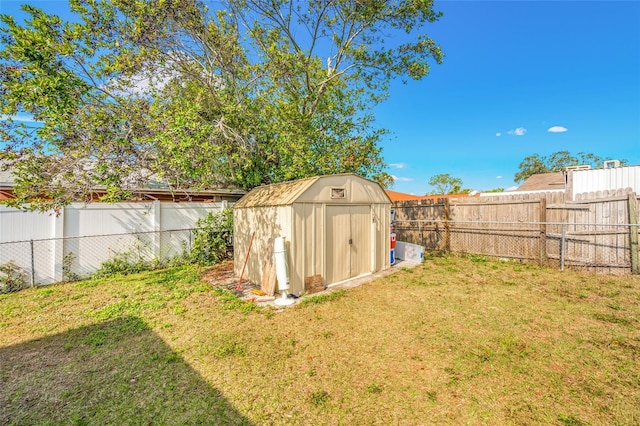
(444, 184)
(251, 92)
(556, 162)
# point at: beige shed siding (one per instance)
(308, 243)
(381, 223)
(357, 190)
(266, 222)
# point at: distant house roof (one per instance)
(153, 190)
(401, 196)
(544, 182)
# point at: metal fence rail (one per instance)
(606, 248)
(46, 261)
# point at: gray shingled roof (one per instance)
(543, 182)
(6, 178)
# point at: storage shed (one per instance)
(335, 226)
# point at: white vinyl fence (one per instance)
(77, 241)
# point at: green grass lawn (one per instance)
(452, 341)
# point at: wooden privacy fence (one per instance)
(598, 231)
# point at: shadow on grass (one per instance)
(116, 372)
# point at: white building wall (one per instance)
(594, 180)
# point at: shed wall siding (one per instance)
(266, 222)
(358, 190)
(307, 244)
(381, 227)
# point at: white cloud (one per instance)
(401, 179)
(498, 134)
(511, 188)
(142, 83)
(498, 177)
(557, 129)
(19, 117)
(397, 165)
(520, 131)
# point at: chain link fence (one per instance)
(604, 248)
(46, 261)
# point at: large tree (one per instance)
(255, 91)
(444, 184)
(556, 162)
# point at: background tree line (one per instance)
(531, 165)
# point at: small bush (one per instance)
(212, 238)
(12, 278)
(67, 267)
(125, 264)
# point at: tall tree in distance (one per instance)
(445, 184)
(556, 162)
(246, 93)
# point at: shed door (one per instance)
(347, 252)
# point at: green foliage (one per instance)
(212, 238)
(12, 278)
(125, 264)
(245, 93)
(232, 302)
(446, 184)
(477, 258)
(319, 398)
(230, 347)
(322, 298)
(211, 244)
(569, 420)
(67, 267)
(556, 162)
(374, 388)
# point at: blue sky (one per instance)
(512, 71)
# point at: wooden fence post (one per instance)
(633, 233)
(543, 232)
(447, 226)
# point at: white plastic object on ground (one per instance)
(282, 273)
(409, 252)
